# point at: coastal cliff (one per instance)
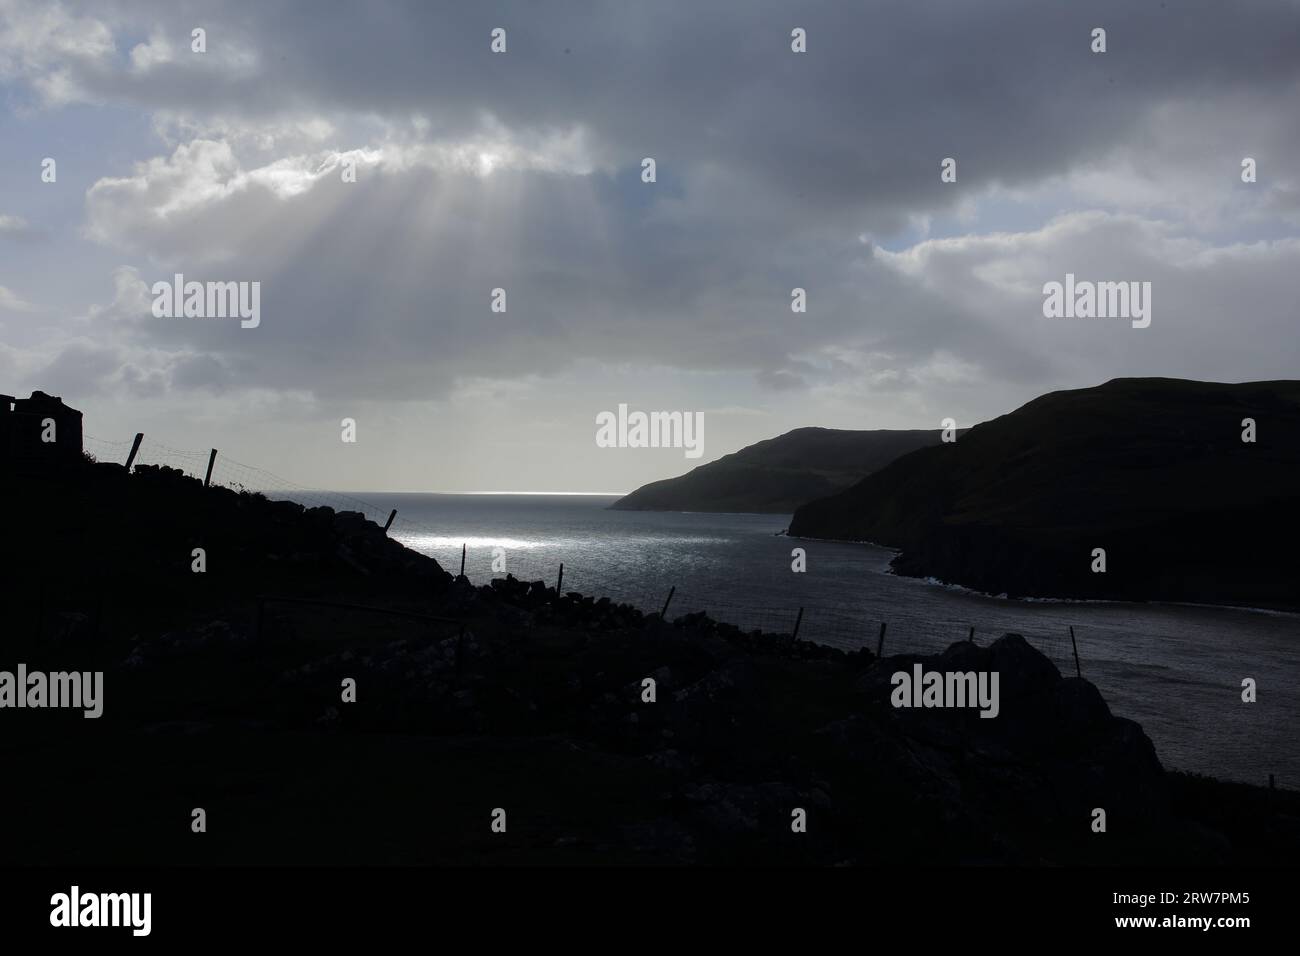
(1154, 472)
(778, 475)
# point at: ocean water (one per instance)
(1176, 669)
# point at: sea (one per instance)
(1177, 669)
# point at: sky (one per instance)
(522, 170)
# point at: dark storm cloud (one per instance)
(855, 127)
(771, 165)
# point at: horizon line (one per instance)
(593, 494)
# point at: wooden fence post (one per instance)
(880, 642)
(135, 447)
(462, 560)
(664, 613)
(797, 620)
(559, 582)
(389, 523)
(212, 458)
(1077, 671)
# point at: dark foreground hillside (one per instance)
(778, 475)
(510, 696)
(1153, 471)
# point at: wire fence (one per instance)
(625, 580)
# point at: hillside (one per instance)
(1152, 470)
(778, 475)
(223, 691)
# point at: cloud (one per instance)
(1011, 90)
(390, 298)
(86, 367)
(523, 171)
(12, 302)
(1212, 304)
(51, 50)
(110, 350)
(146, 56)
(13, 225)
(131, 301)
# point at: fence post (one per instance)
(389, 523)
(462, 560)
(880, 642)
(798, 618)
(971, 637)
(559, 582)
(664, 613)
(1078, 673)
(212, 458)
(135, 447)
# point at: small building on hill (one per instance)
(38, 433)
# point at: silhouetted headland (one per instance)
(778, 475)
(1153, 471)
